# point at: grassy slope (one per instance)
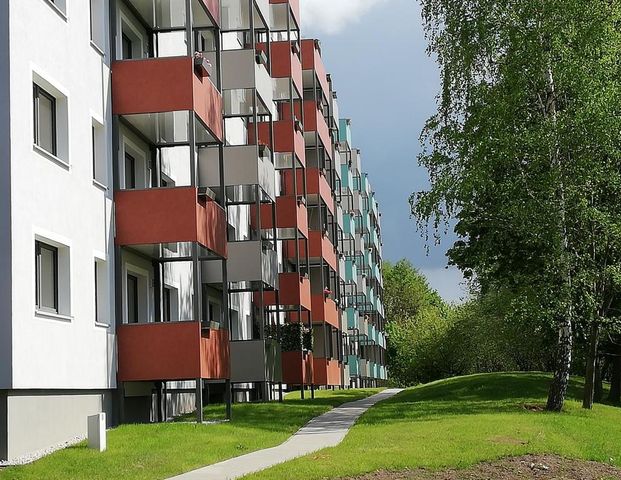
(160, 451)
(460, 422)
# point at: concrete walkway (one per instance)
(324, 431)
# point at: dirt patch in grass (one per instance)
(529, 467)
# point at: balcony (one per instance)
(320, 247)
(314, 121)
(286, 64)
(294, 292)
(256, 361)
(316, 184)
(312, 64)
(250, 265)
(158, 85)
(297, 368)
(241, 71)
(327, 372)
(325, 311)
(294, 5)
(291, 216)
(353, 365)
(172, 351)
(169, 215)
(288, 141)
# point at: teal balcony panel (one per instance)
(353, 366)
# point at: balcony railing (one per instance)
(325, 311)
(169, 215)
(327, 372)
(256, 361)
(294, 291)
(172, 351)
(170, 84)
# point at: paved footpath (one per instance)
(324, 431)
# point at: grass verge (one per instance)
(460, 422)
(159, 451)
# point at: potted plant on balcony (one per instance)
(202, 65)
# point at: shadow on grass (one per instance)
(470, 395)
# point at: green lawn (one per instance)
(162, 450)
(460, 422)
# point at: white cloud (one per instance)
(448, 282)
(332, 16)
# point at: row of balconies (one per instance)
(144, 88)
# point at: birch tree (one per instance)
(524, 152)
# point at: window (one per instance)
(98, 36)
(59, 5)
(132, 299)
(101, 299)
(130, 171)
(100, 173)
(46, 277)
(97, 312)
(127, 47)
(44, 106)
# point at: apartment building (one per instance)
(183, 216)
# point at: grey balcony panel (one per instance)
(248, 264)
(240, 70)
(256, 361)
(244, 166)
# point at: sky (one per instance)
(386, 83)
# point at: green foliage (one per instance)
(293, 337)
(430, 340)
(525, 152)
(459, 422)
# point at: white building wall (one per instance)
(57, 200)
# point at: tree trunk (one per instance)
(598, 394)
(558, 388)
(615, 381)
(589, 381)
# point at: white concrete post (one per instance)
(97, 432)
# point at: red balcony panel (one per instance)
(316, 184)
(158, 85)
(294, 290)
(327, 372)
(311, 60)
(314, 121)
(169, 215)
(325, 311)
(291, 213)
(286, 64)
(320, 246)
(213, 7)
(295, 8)
(172, 351)
(297, 368)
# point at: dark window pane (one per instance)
(127, 48)
(166, 305)
(47, 277)
(96, 294)
(130, 171)
(132, 299)
(45, 120)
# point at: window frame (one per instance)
(37, 92)
(39, 245)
